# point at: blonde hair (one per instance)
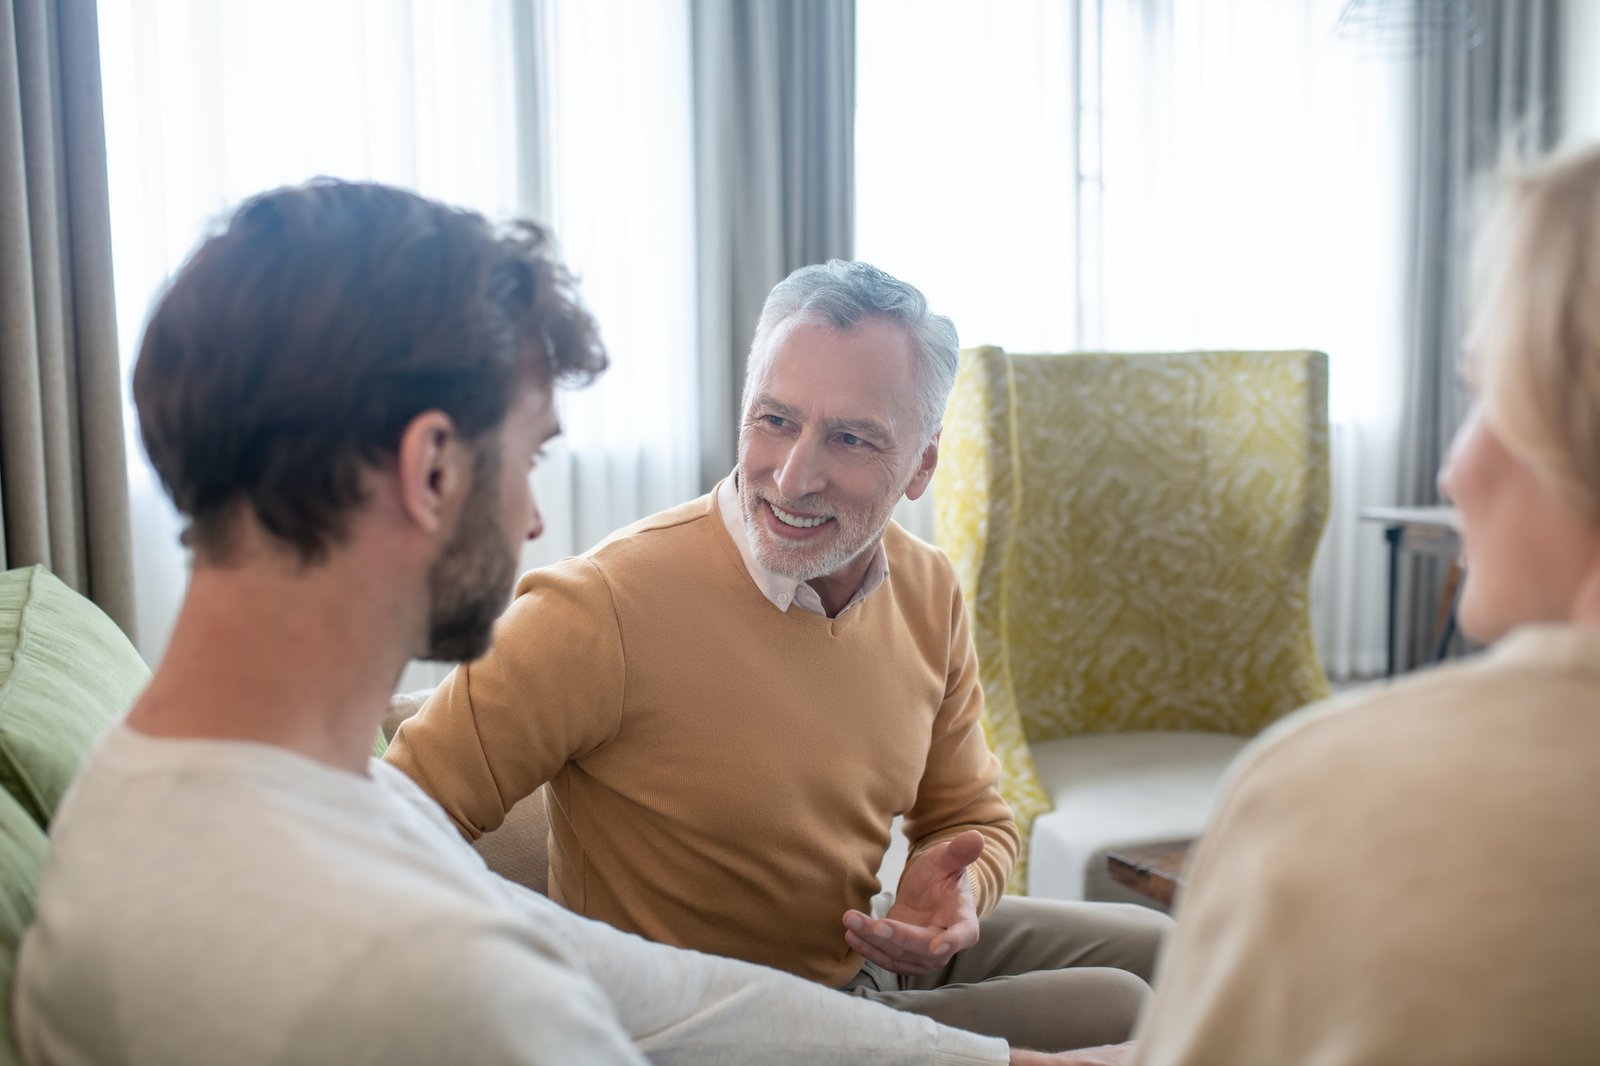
(1535, 336)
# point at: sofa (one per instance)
(66, 673)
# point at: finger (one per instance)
(888, 960)
(901, 936)
(959, 936)
(910, 944)
(958, 853)
(872, 951)
(854, 919)
(889, 930)
(884, 932)
(966, 848)
(879, 935)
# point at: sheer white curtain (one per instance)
(1254, 198)
(1218, 174)
(211, 100)
(623, 204)
(966, 174)
(965, 169)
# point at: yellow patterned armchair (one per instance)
(1134, 536)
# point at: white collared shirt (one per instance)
(780, 590)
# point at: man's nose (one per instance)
(804, 470)
(535, 522)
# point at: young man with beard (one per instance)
(733, 699)
(344, 391)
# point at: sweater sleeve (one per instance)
(959, 789)
(482, 994)
(686, 1007)
(549, 690)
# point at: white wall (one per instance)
(1580, 70)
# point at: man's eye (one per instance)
(775, 421)
(850, 440)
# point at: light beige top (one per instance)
(723, 773)
(213, 902)
(1410, 875)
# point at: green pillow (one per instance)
(66, 673)
(22, 848)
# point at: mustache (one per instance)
(811, 504)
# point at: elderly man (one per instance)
(733, 699)
(344, 391)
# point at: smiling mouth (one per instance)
(794, 520)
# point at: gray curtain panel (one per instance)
(774, 100)
(63, 478)
(1476, 95)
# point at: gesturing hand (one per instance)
(933, 916)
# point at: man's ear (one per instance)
(434, 467)
(924, 474)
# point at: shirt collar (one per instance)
(779, 590)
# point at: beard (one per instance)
(470, 582)
(855, 530)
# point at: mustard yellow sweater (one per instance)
(723, 774)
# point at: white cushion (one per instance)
(1115, 790)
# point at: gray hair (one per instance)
(841, 294)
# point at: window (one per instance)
(572, 111)
(1155, 175)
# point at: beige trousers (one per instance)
(1045, 974)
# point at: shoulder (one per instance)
(645, 548)
(1377, 778)
(1492, 704)
(650, 544)
(1439, 803)
(660, 531)
(919, 567)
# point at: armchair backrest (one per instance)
(1134, 535)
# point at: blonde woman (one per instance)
(1413, 875)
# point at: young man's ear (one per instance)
(434, 468)
(924, 474)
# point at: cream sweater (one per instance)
(208, 902)
(1408, 876)
(723, 772)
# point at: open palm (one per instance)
(933, 915)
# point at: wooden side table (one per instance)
(1152, 870)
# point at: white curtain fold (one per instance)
(623, 200)
(1212, 174)
(774, 107)
(575, 114)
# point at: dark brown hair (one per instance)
(295, 346)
